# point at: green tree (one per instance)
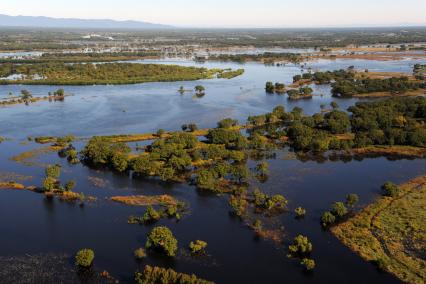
(84, 258)
(339, 209)
(162, 238)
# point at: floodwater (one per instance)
(32, 225)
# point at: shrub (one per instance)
(301, 246)
(69, 186)
(300, 212)
(162, 238)
(152, 275)
(227, 123)
(339, 209)
(53, 171)
(390, 189)
(352, 199)
(49, 184)
(151, 215)
(327, 219)
(197, 246)
(308, 263)
(84, 258)
(139, 253)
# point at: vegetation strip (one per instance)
(390, 232)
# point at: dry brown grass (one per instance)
(11, 185)
(414, 93)
(142, 200)
(403, 151)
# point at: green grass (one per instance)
(391, 232)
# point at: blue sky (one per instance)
(231, 13)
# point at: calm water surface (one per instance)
(32, 225)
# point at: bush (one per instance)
(139, 253)
(227, 123)
(339, 209)
(49, 184)
(308, 263)
(69, 186)
(152, 275)
(197, 246)
(352, 199)
(301, 246)
(151, 215)
(300, 212)
(390, 189)
(84, 258)
(327, 219)
(53, 171)
(162, 238)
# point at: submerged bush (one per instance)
(151, 215)
(308, 263)
(139, 253)
(339, 209)
(301, 246)
(327, 218)
(153, 275)
(84, 258)
(197, 246)
(300, 212)
(162, 238)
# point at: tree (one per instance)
(227, 123)
(26, 96)
(199, 90)
(69, 186)
(49, 184)
(119, 161)
(160, 132)
(301, 246)
(162, 238)
(192, 127)
(352, 199)
(84, 258)
(339, 209)
(327, 218)
(390, 189)
(269, 87)
(337, 122)
(300, 212)
(53, 171)
(139, 253)
(308, 263)
(197, 246)
(151, 215)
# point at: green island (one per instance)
(57, 73)
(348, 83)
(78, 57)
(391, 231)
(266, 57)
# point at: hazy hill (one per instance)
(46, 22)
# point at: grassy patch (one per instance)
(142, 200)
(391, 232)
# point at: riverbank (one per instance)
(390, 232)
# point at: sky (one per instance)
(231, 13)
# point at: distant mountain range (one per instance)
(46, 22)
